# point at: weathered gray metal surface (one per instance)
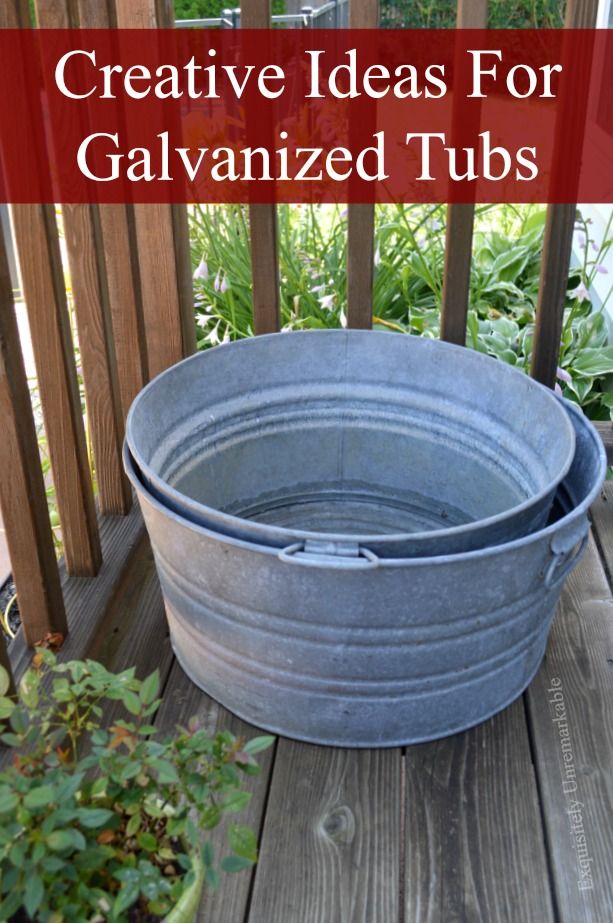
(368, 652)
(396, 444)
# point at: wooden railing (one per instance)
(132, 297)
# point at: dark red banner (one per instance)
(306, 116)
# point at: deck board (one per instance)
(573, 745)
(331, 845)
(475, 847)
(182, 700)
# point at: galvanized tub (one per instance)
(398, 444)
(363, 651)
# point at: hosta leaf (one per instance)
(592, 362)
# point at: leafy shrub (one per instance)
(409, 265)
(105, 823)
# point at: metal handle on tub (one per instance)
(565, 555)
(334, 555)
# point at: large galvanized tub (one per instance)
(397, 444)
(367, 651)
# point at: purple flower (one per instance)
(344, 213)
(202, 270)
(558, 389)
(224, 285)
(326, 302)
(562, 374)
(601, 269)
(217, 283)
(581, 240)
(581, 293)
(594, 246)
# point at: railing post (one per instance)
(255, 14)
(22, 491)
(559, 225)
(363, 14)
(472, 14)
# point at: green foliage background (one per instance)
(503, 14)
(209, 9)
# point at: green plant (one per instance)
(408, 282)
(211, 9)
(502, 14)
(101, 821)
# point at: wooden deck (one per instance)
(510, 821)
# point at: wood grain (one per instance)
(15, 14)
(22, 490)
(560, 218)
(264, 268)
(330, 850)
(229, 902)
(118, 244)
(43, 285)
(578, 665)
(92, 310)
(123, 282)
(602, 519)
(552, 292)
(606, 434)
(165, 291)
(471, 14)
(363, 14)
(456, 275)
(255, 14)
(360, 265)
(474, 842)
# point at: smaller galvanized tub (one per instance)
(398, 444)
(366, 651)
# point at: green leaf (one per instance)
(165, 770)
(150, 688)
(133, 825)
(7, 707)
(208, 854)
(147, 841)
(211, 877)
(40, 797)
(236, 802)
(131, 702)
(33, 894)
(593, 362)
(235, 864)
(256, 744)
(126, 897)
(243, 841)
(10, 905)
(94, 817)
(19, 720)
(8, 801)
(5, 681)
(61, 840)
